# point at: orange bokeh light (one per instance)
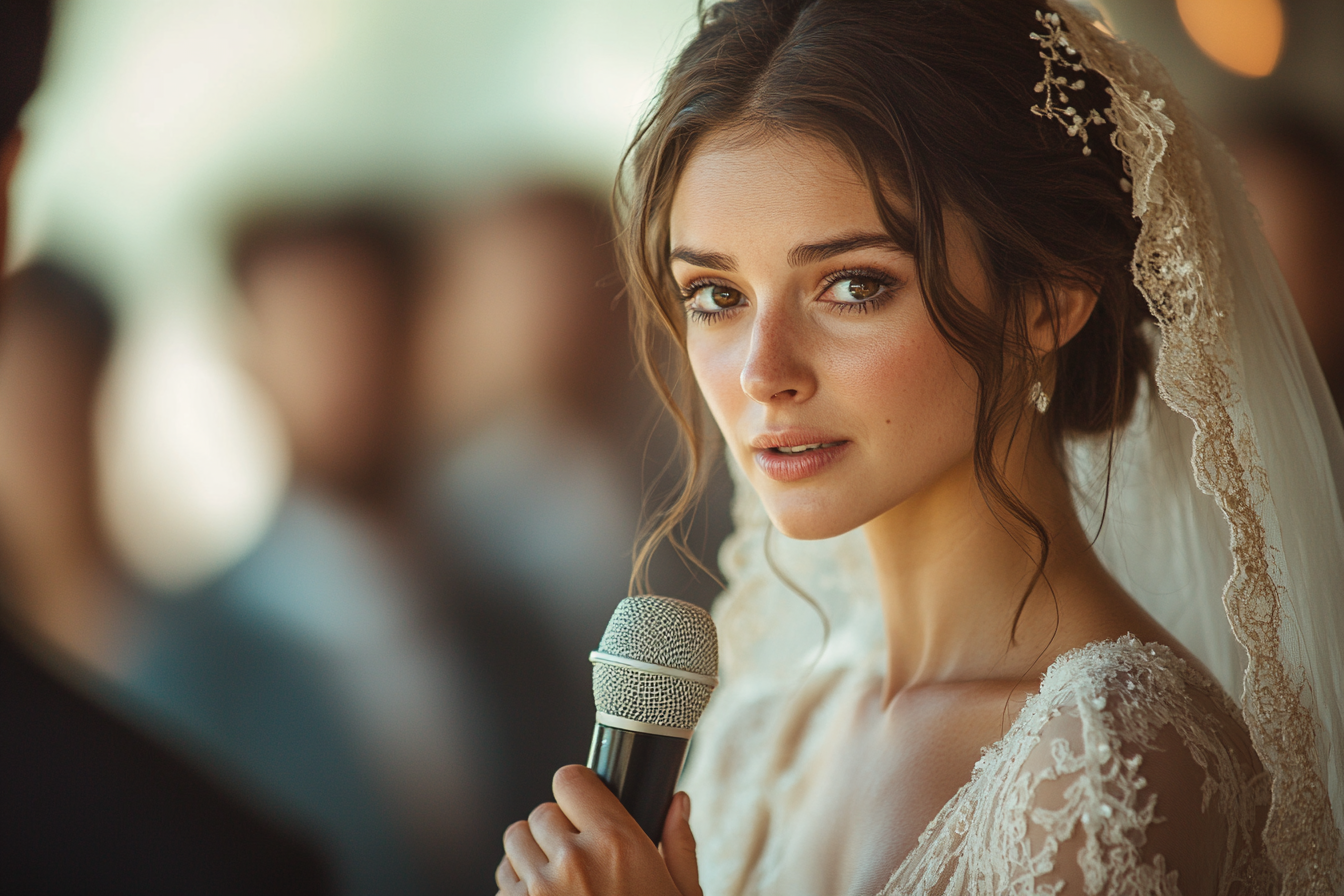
(1243, 36)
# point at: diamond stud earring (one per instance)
(1038, 398)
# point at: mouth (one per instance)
(786, 458)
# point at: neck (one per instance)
(951, 575)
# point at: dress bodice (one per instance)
(1125, 768)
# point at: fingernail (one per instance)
(686, 804)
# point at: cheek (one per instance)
(912, 399)
(716, 361)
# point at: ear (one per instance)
(1056, 317)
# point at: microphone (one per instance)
(653, 673)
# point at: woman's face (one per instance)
(808, 335)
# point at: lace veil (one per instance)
(1224, 510)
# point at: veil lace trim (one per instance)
(1179, 268)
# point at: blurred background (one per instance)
(321, 451)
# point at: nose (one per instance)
(777, 367)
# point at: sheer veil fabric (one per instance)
(1222, 516)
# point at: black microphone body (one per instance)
(653, 673)
(641, 769)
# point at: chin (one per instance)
(810, 521)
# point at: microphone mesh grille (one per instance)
(664, 632)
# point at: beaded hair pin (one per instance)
(1053, 86)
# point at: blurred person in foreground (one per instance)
(1294, 173)
(59, 575)
(541, 441)
(312, 669)
(88, 805)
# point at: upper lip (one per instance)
(792, 438)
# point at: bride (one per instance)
(961, 284)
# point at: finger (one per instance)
(507, 879)
(585, 800)
(678, 847)
(522, 852)
(550, 828)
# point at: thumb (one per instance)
(678, 847)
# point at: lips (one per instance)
(795, 455)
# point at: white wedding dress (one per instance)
(1222, 519)
(1080, 776)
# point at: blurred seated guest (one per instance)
(524, 369)
(87, 804)
(541, 440)
(311, 670)
(1294, 175)
(59, 577)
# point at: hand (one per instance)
(586, 844)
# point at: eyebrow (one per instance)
(704, 259)
(808, 253)
(812, 253)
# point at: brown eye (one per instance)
(859, 289)
(725, 297)
(713, 297)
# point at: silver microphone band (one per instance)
(609, 659)
(643, 727)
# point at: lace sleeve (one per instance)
(1131, 800)
(1088, 810)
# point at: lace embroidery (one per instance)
(1072, 766)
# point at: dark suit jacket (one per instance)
(89, 805)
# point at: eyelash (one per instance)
(889, 285)
(690, 289)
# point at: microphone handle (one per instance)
(641, 769)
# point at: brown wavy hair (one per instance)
(930, 100)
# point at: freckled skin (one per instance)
(789, 357)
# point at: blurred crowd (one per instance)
(400, 662)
